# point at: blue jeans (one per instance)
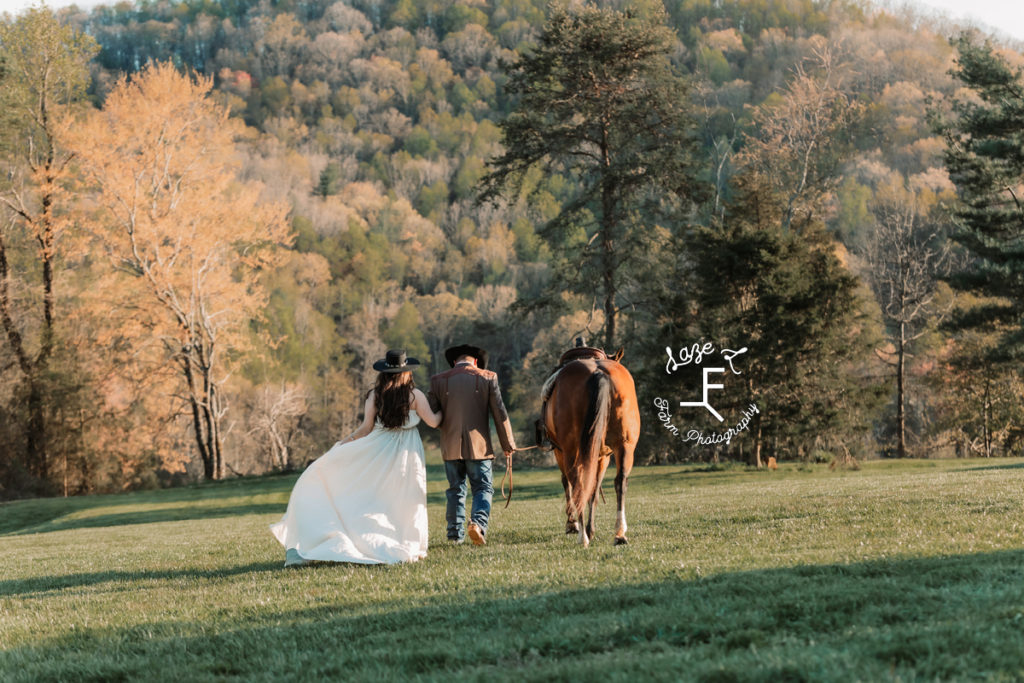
(479, 473)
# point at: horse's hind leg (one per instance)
(587, 531)
(602, 467)
(571, 525)
(620, 518)
(590, 517)
(624, 464)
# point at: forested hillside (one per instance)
(812, 228)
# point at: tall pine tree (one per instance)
(599, 101)
(985, 159)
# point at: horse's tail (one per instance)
(595, 424)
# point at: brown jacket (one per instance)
(465, 395)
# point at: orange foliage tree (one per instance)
(185, 237)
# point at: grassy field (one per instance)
(899, 571)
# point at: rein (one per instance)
(508, 474)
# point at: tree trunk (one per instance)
(278, 447)
(608, 244)
(36, 433)
(46, 343)
(901, 417)
(204, 401)
(609, 295)
(757, 442)
(33, 368)
(45, 237)
(985, 428)
(197, 416)
(213, 421)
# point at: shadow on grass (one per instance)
(177, 514)
(43, 584)
(1016, 466)
(944, 618)
(207, 500)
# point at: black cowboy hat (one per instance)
(395, 361)
(456, 352)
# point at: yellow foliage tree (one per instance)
(185, 237)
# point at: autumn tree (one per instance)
(599, 101)
(43, 74)
(275, 421)
(802, 135)
(908, 255)
(185, 238)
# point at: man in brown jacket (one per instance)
(465, 395)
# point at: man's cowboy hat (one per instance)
(456, 352)
(395, 361)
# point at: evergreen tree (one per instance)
(765, 276)
(330, 178)
(784, 294)
(985, 158)
(599, 101)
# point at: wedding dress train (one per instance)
(364, 501)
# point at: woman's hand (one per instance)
(369, 415)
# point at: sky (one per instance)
(1006, 16)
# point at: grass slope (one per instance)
(899, 571)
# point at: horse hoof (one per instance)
(621, 540)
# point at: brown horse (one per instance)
(590, 413)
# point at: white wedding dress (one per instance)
(364, 501)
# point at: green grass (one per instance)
(900, 571)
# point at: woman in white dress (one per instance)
(365, 500)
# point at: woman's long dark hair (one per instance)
(392, 396)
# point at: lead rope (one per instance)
(508, 474)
